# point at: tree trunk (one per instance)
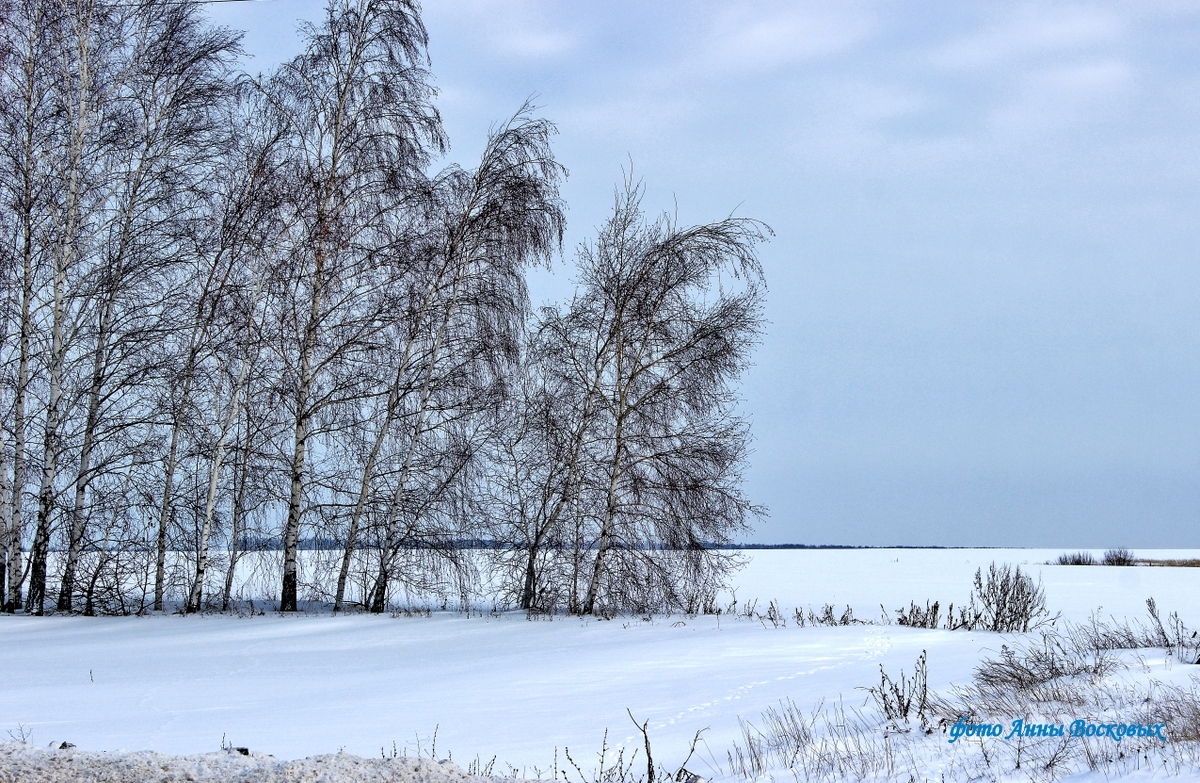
(6, 520)
(16, 565)
(236, 525)
(16, 571)
(78, 516)
(196, 595)
(291, 532)
(392, 542)
(194, 598)
(165, 510)
(164, 517)
(379, 594)
(360, 504)
(15, 532)
(80, 118)
(365, 484)
(114, 279)
(369, 472)
(529, 591)
(195, 340)
(611, 503)
(35, 602)
(606, 536)
(392, 405)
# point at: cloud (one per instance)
(536, 44)
(749, 40)
(1056, 97)
(1088, 78)
(521, 30)
(1029, 33)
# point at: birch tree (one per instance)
(175, 78)
(230, 325)
(361, 129)
(220, 309)
(238, 312)
(26, 111)
(661, 328)
(83, 39)
(458, 325)
(533, 465)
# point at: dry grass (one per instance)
(1171, 634)
(1063, 674)
(1170, 563)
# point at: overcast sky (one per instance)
(984, 292)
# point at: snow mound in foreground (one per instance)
(26, 763)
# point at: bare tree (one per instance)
(221, 309)
(459, 323)
(83, 37)
(235, 358)
(107, 110)
(175, 79)
(533, 464)
(647, 352)
(252, 479)
(25, 143)
(226, 298)
(360, 130)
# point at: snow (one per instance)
(498, 684)
(19, 761)
(866, 578)
(490, 686)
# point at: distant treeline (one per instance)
(827, 546)
(255, 313)
(333, 544)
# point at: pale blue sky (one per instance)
(984, 289)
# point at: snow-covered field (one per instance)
(504, 686)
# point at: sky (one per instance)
(984, 296)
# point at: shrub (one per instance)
(827, 617)
(898, 698)
(1119, 557)
(918, 617)
(1007, 601)
(619, 769)
(1075, 558)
